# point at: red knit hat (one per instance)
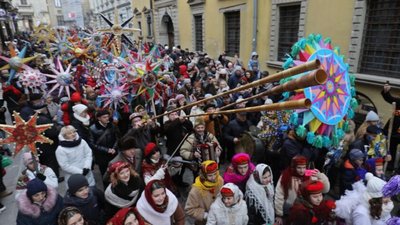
(209, 167)
(226, 192)
(298, 160)
(76, 97)
(150, 147)
(379, 162)
(117, 166)
(312, 187)
(240, 159)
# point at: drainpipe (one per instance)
(255, 17)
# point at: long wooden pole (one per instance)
(304, 103)
(312, 65)
(316, 77)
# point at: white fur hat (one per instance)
(79, 108)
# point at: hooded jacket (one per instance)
(235, 215)
(32, 214)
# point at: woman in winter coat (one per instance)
(74, 154)
(89, 200)
(259, 196)
(239, 171)
(71, 216)
(204, 191)
(39, 204)
(311, 208)
(154, 167)
(289, 183)
(365, 205)
(44, 173)
(126, 216)
(158, 206)
(124, 189)
(229, 208)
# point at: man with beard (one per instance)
(200, 146)
(104, 140)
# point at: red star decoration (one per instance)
(25, 133)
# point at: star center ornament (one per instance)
(25, 133)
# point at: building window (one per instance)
(60, 20)
(198, 30)
(380, 51)
(24, 2)
(140, 27)
(148, 20)
(289, 17)
(232, 33)
(57, 3)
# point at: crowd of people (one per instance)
(142, 160)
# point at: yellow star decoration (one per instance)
(117, 30)
(44, 34)
(25, 133)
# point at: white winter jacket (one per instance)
(74, 156)
(219, 214)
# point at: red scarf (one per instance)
(149, 198)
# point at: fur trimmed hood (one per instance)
(25, 205)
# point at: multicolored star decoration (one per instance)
(25, 133)
(333, 103)
(17, 62)
(63, 79)
(148, 84)
(117, 30)
(44, 34)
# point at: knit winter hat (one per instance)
(150, 147)
(226, 192)
(209, 167)
(76, 97)
(102, 112)
(75, 182)
(35, 186)
(372, 116)
(240, 159)
(298, 160)
(373, 129)
(374, 186)
(356, 154)
(312, 187)
(79, 108)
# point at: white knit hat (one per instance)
(372, 116)
(79, 108)
(374, 186)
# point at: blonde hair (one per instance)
(66, 129)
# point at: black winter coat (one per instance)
(91, 207)
(101, 143)
(175, 131)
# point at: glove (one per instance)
(160, 174)
(41, 176)
(85, 171)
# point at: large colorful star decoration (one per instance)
(63, 79)
(116, 29)
(16, 62)
(25, 133)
